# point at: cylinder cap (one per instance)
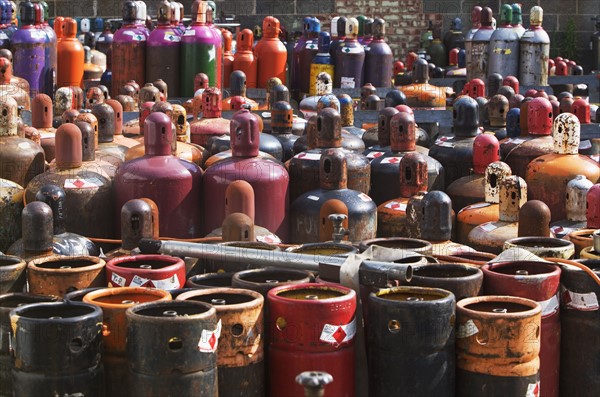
(245, 134)
(566, 131)
(413, 174)
(494, 174)
(534, 219)
(68, 141)
(486, 150)
(402, 130)
(436, 224)
(239, 197)
(513, 194)
(158, 134)
(333, 170)
(139, 219)
(36, 223)
(329, 129)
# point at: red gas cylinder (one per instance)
(313, 328)
(268, 178)
(271, 53)
(539, 282)
(152, 271)
(228, 57)
(244, 58)
(158, 171)
(512, 82)
(211, 124)
(581, 109)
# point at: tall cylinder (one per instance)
(70, 57)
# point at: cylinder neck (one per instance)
(329, 129)
(68, 147)
(413, 174)
(158, 135)
(403, 135)
(333, 170)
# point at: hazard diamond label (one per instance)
(81, 183)
(391, 160)
(209, 340)
(138, 281)
(533, 390)
(308, 156)
(579, 301)
(396, 206)
(269, 239)
(338, 334)
(374, 154)
(167, 284)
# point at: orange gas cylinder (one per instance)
(420, 93)
(70, 57)
(59, 27)
(271, 53)
(244, 58)
(227, 56)
(548, 175)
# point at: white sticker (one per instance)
(47, 135)
(444, 144)
(579, 301)
(488, 227)
(311, 46)
(314, 198)
(352, 50)
(171, 36)
(209, 340)
(3, 36)
(347, 82)
(25, 145)
(557, 229)
(396, 206)
(138, 281)
(266, 115)
(391, 160)
(533, 390)
(550, 306)
(80, 183)
(374, 154)
(168, 284)
(596, 158)
(467, 329)
(118, 280)
(101, 39)
(338, 334)
(365, 198)
(308, 156)
(269, 239)
(478, 205)
(516, 141)
(190, 32)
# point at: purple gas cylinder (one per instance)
(349, 59)
(379, 59)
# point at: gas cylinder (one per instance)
(128, 51)
(11, 206)
(104, 43)
(228, 57)
(349, 59)
(454, 37)
(367, 32)
(379, 134)
(477, 65)
(140, 177)
(305, 40)
(282, 117)
(322, 62)
(475, 25)
(490, 236)
(50, 53)
(455, 153)
(556, 169)
(211, 123)
(423, 315)
(237, 88)
(210, 280)
(535, 51)
(351, 135)
(338, 34)
(304, 167)
(385, 167)
(503, 50)
(539, 282)
(244, 58)
(420, 93)
(240, 356)
(437, 53)
(11, 85)
(97, 58)
(329, 346)
(183, 337)
(163, 51)
(108, 150)
(264, 280)
(306, 211)
(463, 280)
(92, 73)
(378, 58)
(575, 207)
(21, 158)
(12, 270)
(391, 215)
(36, 222)
(323, 88)
(53, 328)
(114, 302)
(307, 56)
(497, 346)
(471, 189)
(28, 47)
(271, 53)
(270, 188)
(517, 19)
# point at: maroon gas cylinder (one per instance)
(174, 184)
(153, 271)
(471, 189)
(539, 282)
(313, 328)
(378, 57)
(211, 124)
(268, 178)
(41, 119)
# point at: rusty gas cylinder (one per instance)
(11, 206)
(503, 50)
(497, 346)
(477, 64)
(163, 51)
(154, 271)
(87, 183)
(21, 158)
(244, 58)
(92, 73)
(411, 332)
(70, 57)
(581, 239)
(420, 93)
(183, 337)
(241, 343)
(57, 275)
(211, 124)
(107, 149)
(490, 236)
(580, 322)
(9, 301)
(140, 177)
(271, 53)
(70, 337)
(391, 215)
(378, 138)
(67, 98)
(264, 280)
(139, 219)
(128, 52)
(41, 119)
(13, 86)
(547, 175)
(270, 185)
(400, 243)
(306, 211)
(534, 51)
(307, 334)
(282, 122)
(471, 189)
(463, 280)
(593, 207)
(114, 302)
(539, 282)
(455, 153)
(36, 224)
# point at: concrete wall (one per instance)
(406, 18)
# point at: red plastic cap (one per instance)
(476, 88)
(453, 57)
(486, 150)
(581, 109)
(561, 69)
(539, 116)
